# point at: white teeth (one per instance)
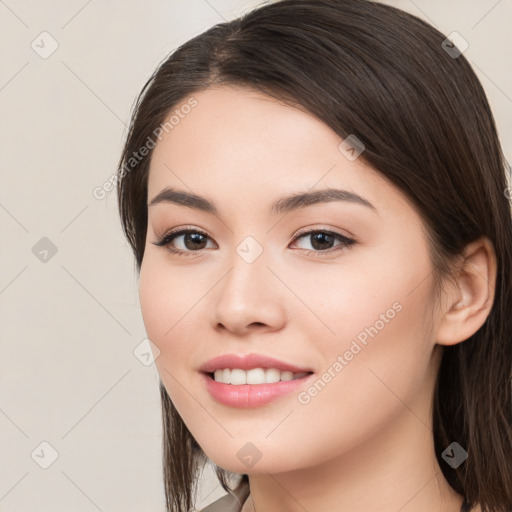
(238, 377)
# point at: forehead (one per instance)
(242, 148)
(239, 128)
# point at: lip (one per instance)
(251, 395)
(248, 362)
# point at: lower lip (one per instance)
(251, 395)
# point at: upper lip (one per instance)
(248, 362)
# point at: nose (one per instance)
(249, 298)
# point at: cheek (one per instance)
(153, 296)
(168, 295)
(373, 312)
(168, 301)
(368, 295)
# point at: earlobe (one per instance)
(470, 301)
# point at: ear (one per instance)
(470, 299)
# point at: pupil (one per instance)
(196, 238)
(322, 236)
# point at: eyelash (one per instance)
(167, 238)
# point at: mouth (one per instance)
(254, 388)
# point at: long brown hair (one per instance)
(388, 77)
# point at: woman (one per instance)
(315, 195)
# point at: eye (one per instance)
(193, 240)
(321, 240)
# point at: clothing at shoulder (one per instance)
(229, 502)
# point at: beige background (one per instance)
(70, 324)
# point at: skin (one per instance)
(365, 441)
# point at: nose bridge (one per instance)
(248, 269)
(247, 294)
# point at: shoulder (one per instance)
(229, 502)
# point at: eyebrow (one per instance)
(283, 205)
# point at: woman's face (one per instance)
(360, 316)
